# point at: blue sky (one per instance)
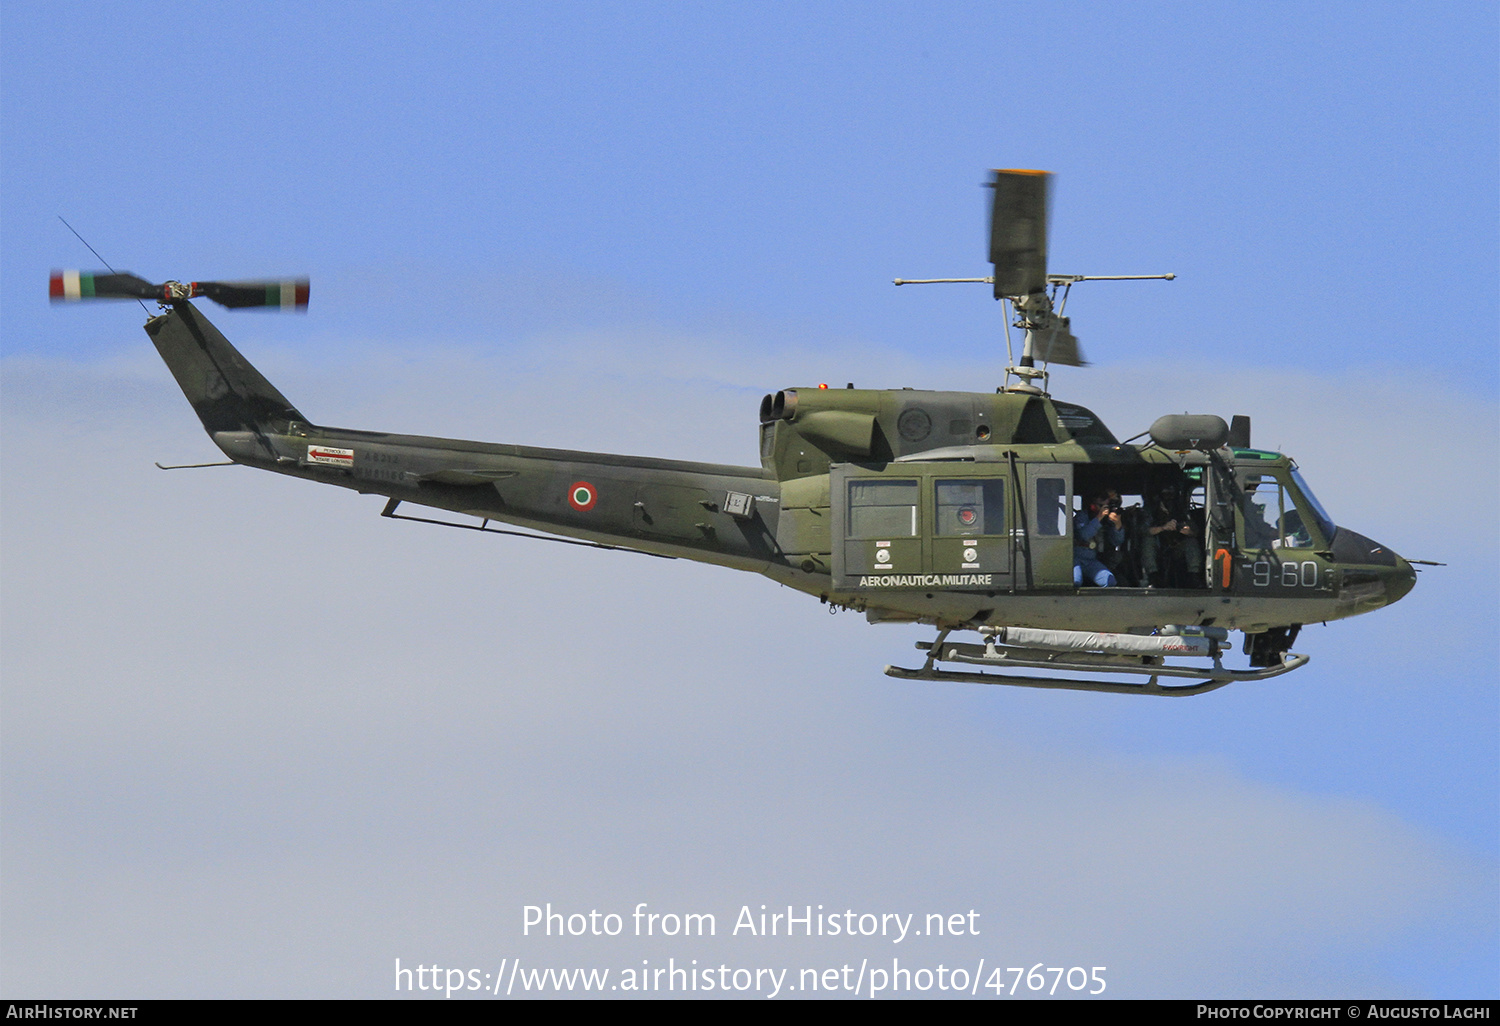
(517, 224)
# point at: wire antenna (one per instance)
(94, 251)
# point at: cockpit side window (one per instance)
(1271, 516)
(1315, 508)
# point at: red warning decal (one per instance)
(328, 455)
(581, 496)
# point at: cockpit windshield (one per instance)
(1324, 520)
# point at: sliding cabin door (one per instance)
(1046, 551)
(924, 528)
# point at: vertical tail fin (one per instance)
(226, 392)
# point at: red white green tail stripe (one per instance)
(69, 286)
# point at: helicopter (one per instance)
(1011, 519)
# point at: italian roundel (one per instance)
(581, 496)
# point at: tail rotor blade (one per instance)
(72, 286)
(289, 294)
(1018, 231)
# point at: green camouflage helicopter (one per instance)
(1010, 514)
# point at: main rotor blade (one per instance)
(72, 286)
(290, 294)
(1018, 231)
(1056, 343)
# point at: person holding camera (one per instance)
(1171, 553)
(1097, 534)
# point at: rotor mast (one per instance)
(1018, 251)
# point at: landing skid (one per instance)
(1152, 667)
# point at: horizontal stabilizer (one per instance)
(465, 478)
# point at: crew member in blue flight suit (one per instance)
(1097, 530)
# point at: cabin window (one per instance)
(971, 508)
(883, 509)
(1052, 506)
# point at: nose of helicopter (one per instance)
(1399, 580)
(1396, 575)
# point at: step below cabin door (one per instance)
(1044, 554)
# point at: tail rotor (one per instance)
(76, 286)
